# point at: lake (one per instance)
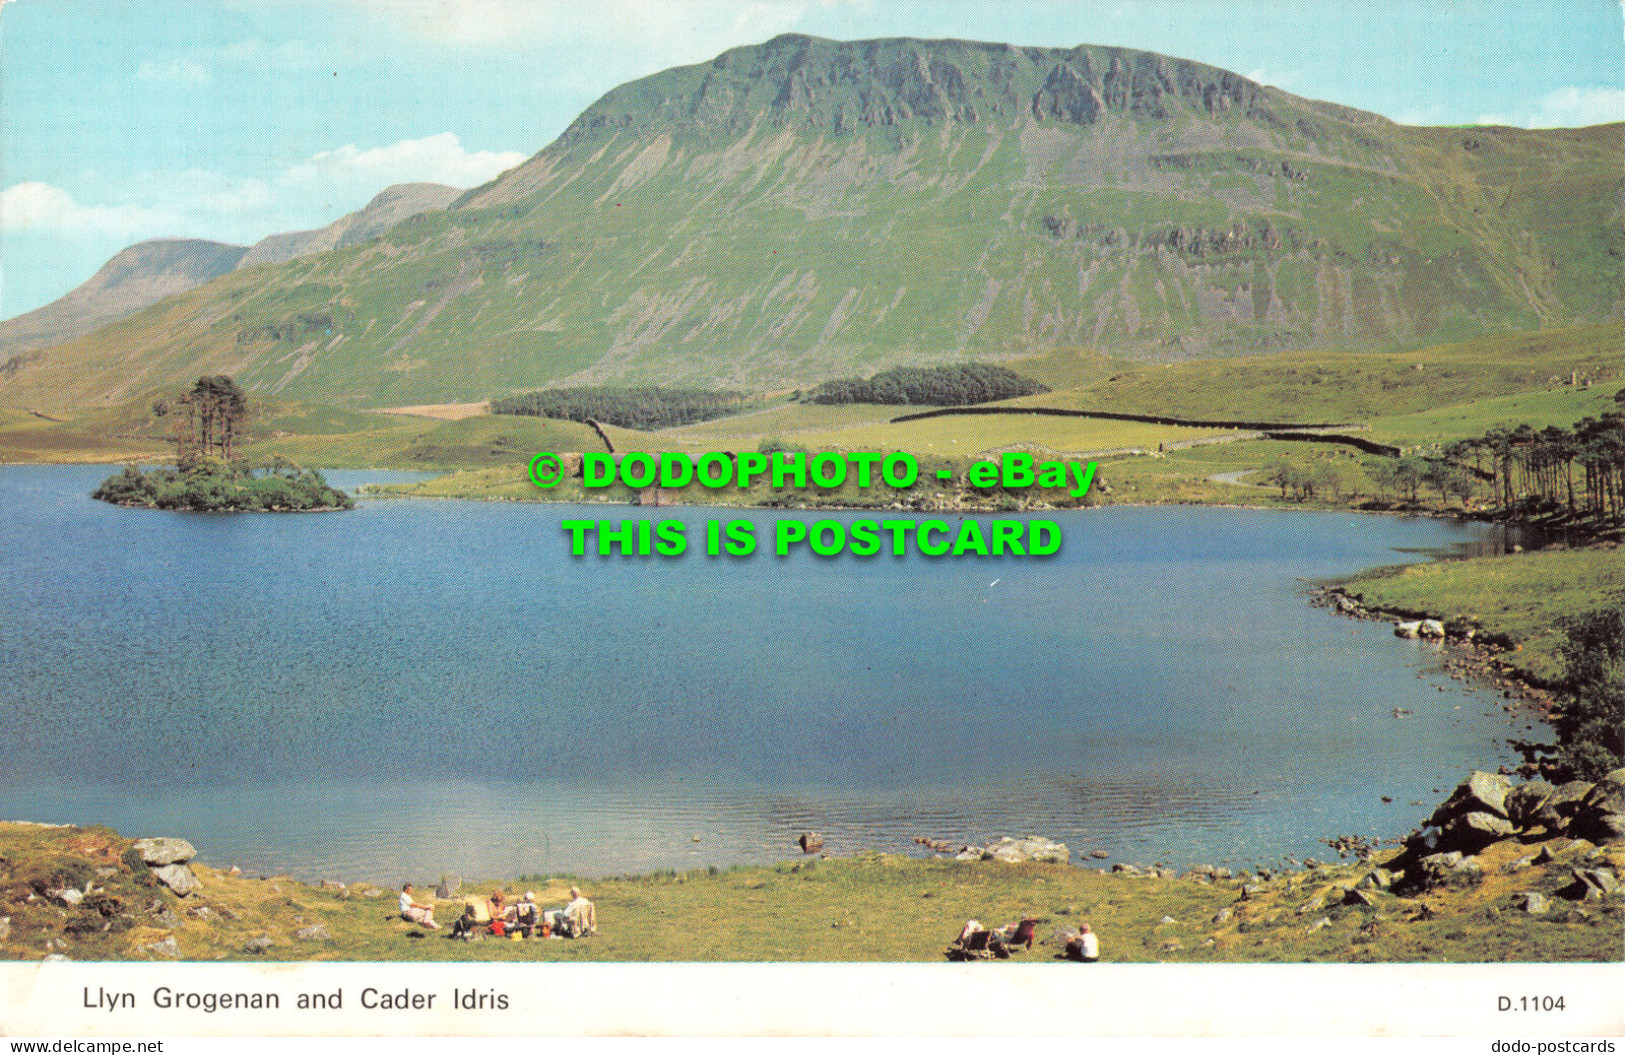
(421, 687)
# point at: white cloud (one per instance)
(432, 159)
(201, 203)
(1286, 80)
(1570, 107)
(1432, 114)
(177, 71)
(45, 207)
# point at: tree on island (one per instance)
(208, 418)
(207, 428)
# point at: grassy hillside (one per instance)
(807, 209)
(1427, 394)
(1521, 595)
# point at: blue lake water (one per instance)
(416, 688)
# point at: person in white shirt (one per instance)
(413, 912)
(1085, 948)
(575, 920)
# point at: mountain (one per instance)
(384, 211)
(131, 280)
(807, 208)
(149, 271)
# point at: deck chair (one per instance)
(978, 945)
(476, 919)
(1018, 937)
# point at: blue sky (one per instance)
(239, 118)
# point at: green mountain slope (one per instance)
(806, 208)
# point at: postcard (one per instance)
(803, 519)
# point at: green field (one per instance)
(1522, 595)
(1470, 380)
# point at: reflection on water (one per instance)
(424, 687)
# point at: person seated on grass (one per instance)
(576, 920)
(416, 912)
(498, 908)
(526, 915)
(1084, 947)
(476, 917)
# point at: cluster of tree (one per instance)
(631, 408)
(932, 386)
(212, 484)
(1531, 471)
(1408, 475)
(207, 420)
(1590, 723)
(1306, 480)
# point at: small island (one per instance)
(209, 475)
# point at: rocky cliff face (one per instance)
(837, 86)
(808, 208)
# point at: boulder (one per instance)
(1591, 884)
(178, 878)
(1472, 832)
(1409, 630)
(314, 932)
(810, 842)
(1480, 793)
(1447, 869)
(1376, 879)
(1223, 915)
(165, 851)
(1126, 869)
(1319, 924)
(68, 898)
(1430, 628)
(1562, 804)
(168, 949)
(1359, 897)
(258, 946)
(1606, 797)
(1533, 902)
(1099, 855)
(969, 853)
(1030, 848)
(1601, 828)
(1523, 802)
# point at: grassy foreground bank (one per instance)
(873, 907)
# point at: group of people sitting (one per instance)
(522, 919)
(976, 942)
